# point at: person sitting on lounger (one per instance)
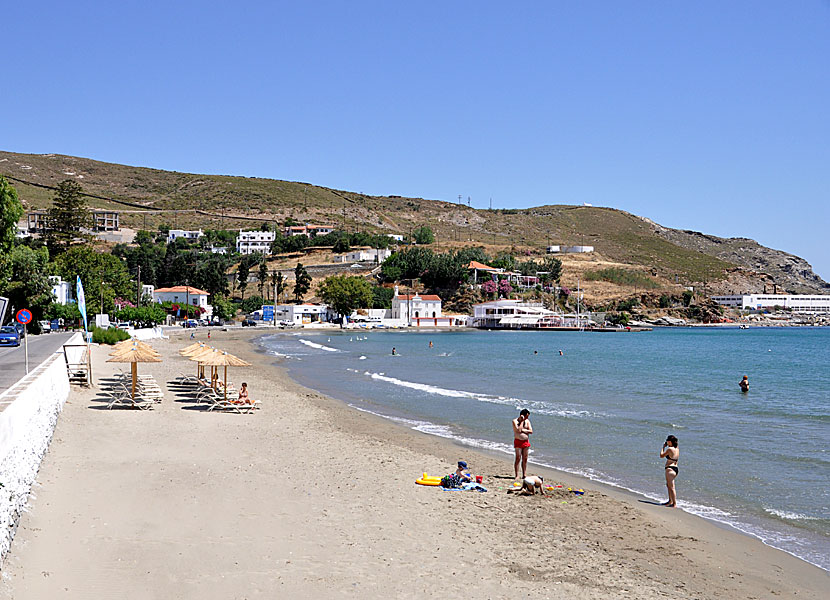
(243, 394)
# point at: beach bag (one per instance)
(451, 481)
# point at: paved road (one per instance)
(13, 360)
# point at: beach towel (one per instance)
(467, 487)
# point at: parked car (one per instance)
(123, 325)
(21, 330)
(9, 336)
(248, 323)
(45, 326)
(286, 323)
(190, 323)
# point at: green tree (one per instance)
(262, 276)
(103, 275)
(10, 212)
(243, 272)
(424, 235)
(251, 304)
(302, 282)
(67, 216)
(143, 316)
(344, 293)
(341, 245)
(210, 274)
(550, 269)
(28, 284)
(382, 296)
(223, 308)
(278, 281)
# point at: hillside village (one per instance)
(421, 263)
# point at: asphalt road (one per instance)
(13, 360)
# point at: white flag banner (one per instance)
(81, 300)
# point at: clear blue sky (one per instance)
(712, 116)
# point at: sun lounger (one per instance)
(127, 401)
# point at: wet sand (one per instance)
(308, 496)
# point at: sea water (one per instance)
(758, 462)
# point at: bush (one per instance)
(621, 318)
(110, 336)
(252, 304)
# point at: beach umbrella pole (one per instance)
(134, 373)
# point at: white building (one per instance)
(60, 289)
(798, 303)
(248, 242)
(185, 294)
(302, 314)
(218, 250)
(175, 234)
(419, 310)
(395, 236)
(307, 230)
(569, 249)
(516, 314)
(376, 255)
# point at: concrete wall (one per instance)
(29, 415)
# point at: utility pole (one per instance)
(138, 288)
(274, 321)
(468, 201)
(459, 198)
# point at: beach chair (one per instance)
(120, 399)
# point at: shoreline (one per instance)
(548, 471)
(309, 495)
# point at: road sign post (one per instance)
(24, 316)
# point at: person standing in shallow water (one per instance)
(744, 384)
(671, 453)
(522, 430)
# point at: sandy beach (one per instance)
(309, 496)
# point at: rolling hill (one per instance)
(148, 198)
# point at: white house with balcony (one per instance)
(375, 255)
(185, 294)
(190, 235)
(248, 242)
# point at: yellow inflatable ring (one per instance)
(428, 480)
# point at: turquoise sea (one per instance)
(758, 462)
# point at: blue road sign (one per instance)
(267, 313)
(24, 315)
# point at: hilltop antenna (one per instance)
(468, 201)
(491, 203)
(459, 198)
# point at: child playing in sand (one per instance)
(531, 483)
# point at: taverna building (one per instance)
(797, 303)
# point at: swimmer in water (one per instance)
(561, 353)
(394, 352)
(430, 343)
(744, 384)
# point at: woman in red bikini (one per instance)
(521, 441)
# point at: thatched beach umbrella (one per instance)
(134, 355)
(223, 359)
(196, 356)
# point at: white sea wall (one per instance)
(26, 427)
